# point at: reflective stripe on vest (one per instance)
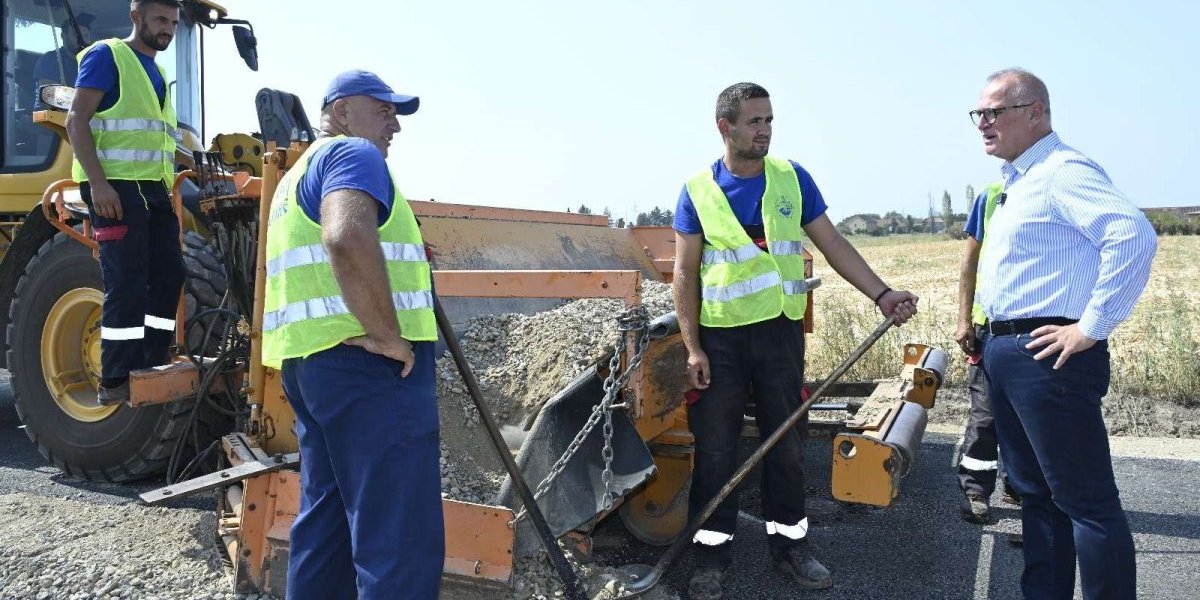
(315, 253)
(742, 288)
(739, 282)
(304, 311)
(989, 206)
(131, 125)
(118, 154)
(317, 308)
(736, 255)
(135, 138)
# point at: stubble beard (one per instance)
(151, 40)
(751, 154)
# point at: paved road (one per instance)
(919, 548)
(916, 549)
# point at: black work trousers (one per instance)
(980, 459)
(765, 359)
(142, 266)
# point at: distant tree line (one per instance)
(655, 216)
(1180, 221)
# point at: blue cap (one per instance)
(365, 83)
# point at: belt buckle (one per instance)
(995, 328)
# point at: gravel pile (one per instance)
(520, 361)
(71, 549)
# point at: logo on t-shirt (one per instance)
(785, 207)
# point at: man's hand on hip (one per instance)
(1064, 340)
(698, 372)
(902, 304)
(399, 350)
(965, 336)
(105, 201)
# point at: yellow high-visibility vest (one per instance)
(135, 138)
(989, 207)
(739, 282)
(304, 311)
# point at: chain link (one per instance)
(636, 319)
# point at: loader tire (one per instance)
(54, 359)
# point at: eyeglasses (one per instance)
(991, 114)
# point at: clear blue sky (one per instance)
(552, 104)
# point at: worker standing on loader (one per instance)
(122, 128)
(348, 317)
(1065, 259)
(979, 463)
(740, 311)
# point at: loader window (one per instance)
(27, 146)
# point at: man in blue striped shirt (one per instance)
(1065, 258)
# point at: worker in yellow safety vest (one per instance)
(979, 461)
(740, 297)
(122, 128)
(348, 318)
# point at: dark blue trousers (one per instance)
(370, 522)
(142, 266)
(1055, 448)
(768, 359)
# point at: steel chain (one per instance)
(633, 320)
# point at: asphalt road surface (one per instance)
(918, 548)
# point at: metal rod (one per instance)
(571, 582)
(644, 584)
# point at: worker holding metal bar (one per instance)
(348, 317)
(979, 461)
(122, 128)
(740, 297)
(1065, 258)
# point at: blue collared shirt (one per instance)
(1065, 243)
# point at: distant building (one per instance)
(939, 224)
(859, 224)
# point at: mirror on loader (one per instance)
(247, 44)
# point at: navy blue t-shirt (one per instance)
(745, 198)
(346, 164)
(98, 70)
(974, 226)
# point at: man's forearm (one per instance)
(686, 289)
(361, 273)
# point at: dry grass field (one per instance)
(1155, 354)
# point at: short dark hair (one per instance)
(138, 4)
(729, 102)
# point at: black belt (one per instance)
(1018, 326)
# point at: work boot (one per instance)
(118, 394)
(974, 509)
(1010, 495)
(799, 563)
(707, 583)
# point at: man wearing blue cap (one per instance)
(349, 320)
